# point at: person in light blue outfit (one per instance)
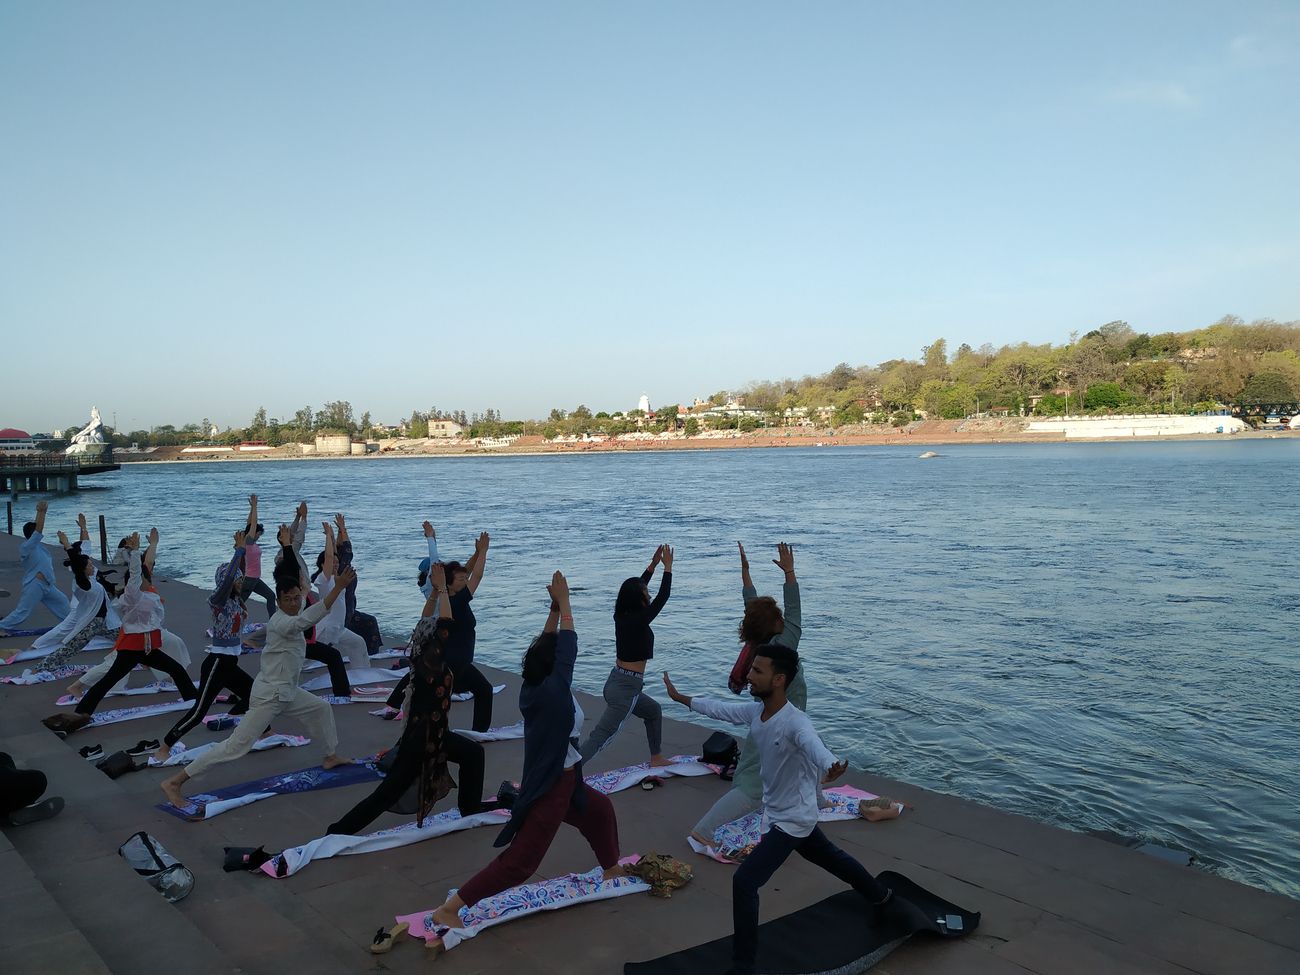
(38, 577)
(424, 582)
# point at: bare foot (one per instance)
(658, 761)
(447, 917)
(163, 753)
(172, 790)
(875, 810)
(617, 870)
(700, 839)
(75, 689)
(334, 761)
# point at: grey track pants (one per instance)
(624, 695)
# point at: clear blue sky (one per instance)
(211, 207)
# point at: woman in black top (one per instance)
(462, 581)
(634, 644)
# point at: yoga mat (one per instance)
(546, 895)
(504, 733)
(616, 780)
(37, 631)
(496, 689)
(365, 675)
(388, 654)
(180, 755)
(207, 805)
(290, 861)
(156, 687)
(733, 841)
(832, 935)
(28, 677)
(130, 714)
(99, 643)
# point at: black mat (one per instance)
(831, 936)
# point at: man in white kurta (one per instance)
(275, 689)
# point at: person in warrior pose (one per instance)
(139, 641)
(221, 670)
(634, 645)
(794, 763)
(275, 690)
(427, 744)
(38, 576)
(552, 791)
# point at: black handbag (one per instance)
(720, 749)
(116, 765)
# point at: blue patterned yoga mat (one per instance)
(205, 805)
(38, 631)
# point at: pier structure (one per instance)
(30, 473)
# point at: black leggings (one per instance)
(256, 587)
(367, 627)
(332, 659)
(406, 769)
(220, 671)
(468, 679)
(22, 787)
(125, 662)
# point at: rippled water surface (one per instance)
(1099, 636)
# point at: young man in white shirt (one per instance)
(793, 761)
(275, 689)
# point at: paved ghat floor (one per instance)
(1053, 901)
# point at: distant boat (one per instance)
(927, 455)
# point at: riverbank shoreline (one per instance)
(432, 448)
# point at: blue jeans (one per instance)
(773, 850)
(33, 593)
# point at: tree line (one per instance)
(1109, 369)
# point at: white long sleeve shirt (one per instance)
(140, 609)
(329, 629)
(793, 759)
(284, 653)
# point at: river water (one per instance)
(1097, 636)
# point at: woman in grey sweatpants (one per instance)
(634, 644)
(763, 622)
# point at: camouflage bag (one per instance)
(663, 873)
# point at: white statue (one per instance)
(90, 435)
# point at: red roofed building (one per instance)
(11, 439)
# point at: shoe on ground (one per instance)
(144, 747)
(64, 724)
(45, 809)
(92, 753)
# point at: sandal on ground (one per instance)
(385, 938)
(652, 783)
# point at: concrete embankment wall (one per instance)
(1109, 427)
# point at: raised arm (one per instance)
(251, 530)
(711, 708)
(151, 553)
(41, 508)
(566, 640)
(342, 526)
(298, 528)
(478, 561)
(747, 590)
(664, 555)
(222, 592)
(437, 605)
(136, 580)
(431, 537)
(655, 559)
(790, 596)
(81, 524)
(328, 561)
